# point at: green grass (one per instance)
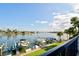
(36, 53)
(41, 51)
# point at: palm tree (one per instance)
(73, 20)
(60, 34)
(71, 31)
(67, 32)
(75, 23)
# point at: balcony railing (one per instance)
(69, 48)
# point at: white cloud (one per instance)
(37, 21)
(56, 13)
(61, 22)
(42, 21)
(75, 7)
(32, 24)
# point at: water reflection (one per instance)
(10, 38)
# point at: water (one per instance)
(9, 41)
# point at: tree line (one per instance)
(73, 30)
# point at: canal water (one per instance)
(10, 41)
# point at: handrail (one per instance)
(64, 49)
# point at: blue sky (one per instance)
(30, 16)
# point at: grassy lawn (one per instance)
(36, 53)
(41, 51)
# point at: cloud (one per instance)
(37, 21)
(41, 22)
(32, 24)
(56, 13)
(44, 22)
(62, 22)
(75, 7)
